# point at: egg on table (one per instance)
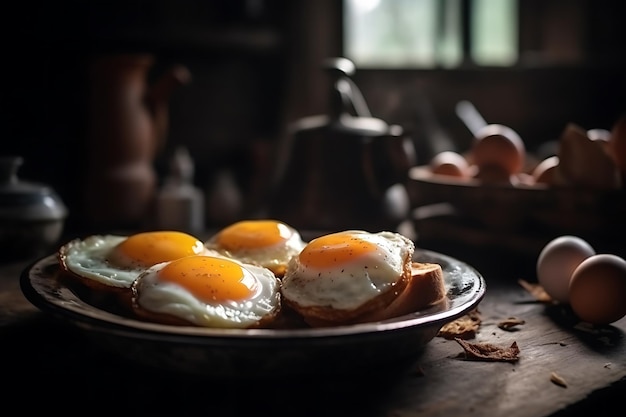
(557, 261)
(340, 277)
(110, 263)
(597, 290)
(207, 291)
(264, 242)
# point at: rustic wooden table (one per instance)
(50, 366)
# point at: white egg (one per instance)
(557, 261)
(267, 243)
(116, 261)
(598, 289)
(345, 270)
(207, 291)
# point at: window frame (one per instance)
(551, 34)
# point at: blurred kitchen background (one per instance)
(254, 66)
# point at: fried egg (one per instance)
(268, 243)
(116, 261)
(207, 291)
(338, 275)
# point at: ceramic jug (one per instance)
(128, 122)
(345, 169)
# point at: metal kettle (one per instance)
(343, 170)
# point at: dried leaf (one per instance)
(417, 371)
(558, 380)
(536, 290)
(489, 352)
(511, 323)
(465, 327)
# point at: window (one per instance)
(430, 33)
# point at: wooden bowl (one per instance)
(524, 209)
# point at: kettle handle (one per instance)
(9, 166)
(346, 94)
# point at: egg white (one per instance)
(93, 258)
(273, 257)
(347, 286)
(155, 295)
(557, 261)
(89, 258)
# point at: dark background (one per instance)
(255, 68)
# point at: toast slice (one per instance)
(425, 288)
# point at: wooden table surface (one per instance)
(51, 366)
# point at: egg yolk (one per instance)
(252, 234)
(334, 249)
(151, 248)
(210, 278)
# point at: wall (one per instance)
(254, 67)
(537, 103)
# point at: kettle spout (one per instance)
(158, 97)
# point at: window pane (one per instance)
(494, 32)
(390, 33)
(427, 33)
(449, 41)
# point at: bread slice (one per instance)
(425, 288)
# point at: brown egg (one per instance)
(597, 289)
(524, 178)
(494, 174)
(499, 145)
(546, 171)
(449, 163)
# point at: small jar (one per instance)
(32, 215)
(180, 204)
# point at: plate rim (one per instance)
(92, 318)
